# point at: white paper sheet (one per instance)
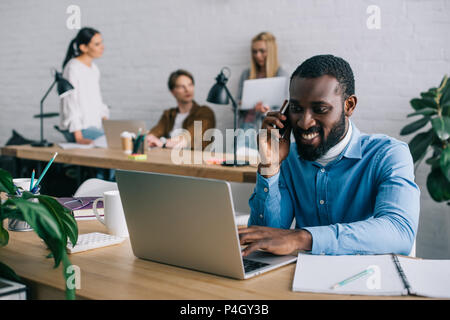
(429, 278)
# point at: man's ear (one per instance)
(350, 105)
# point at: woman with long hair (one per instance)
(82, 110)
(264, 64)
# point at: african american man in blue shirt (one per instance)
(349, 192)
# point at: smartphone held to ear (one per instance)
(284, 110)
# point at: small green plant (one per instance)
(49, 219)
(434, 107)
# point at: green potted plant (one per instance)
(434, 107)
(52, 222)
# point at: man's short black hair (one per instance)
(328, 64)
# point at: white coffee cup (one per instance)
(114, 218)
(23, 183)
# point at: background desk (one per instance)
(114, 273)
(158, 160)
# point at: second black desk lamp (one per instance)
(219, 94)
(64, 88)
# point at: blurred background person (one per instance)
(82, 110)
(264, 64)
(168, 131)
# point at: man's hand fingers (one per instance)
(250, 229)
(270, 121)
(259, 245)
(249, 237)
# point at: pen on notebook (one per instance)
(32, 180)
(45, 171)
(353, 278)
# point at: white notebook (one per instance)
(390, 275)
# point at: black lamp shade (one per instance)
(218, 94)
(64, 87)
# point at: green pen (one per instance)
(44, 172)
(353, 278)
(32, 180)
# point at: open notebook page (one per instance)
(428, 278)
(318, 273)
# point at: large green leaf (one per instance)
(419, 144)
(446, 109)
(431, 93)
(10, 212)
(445, 97)
(427, 102)
(423, 112)
(441, 126)
(438, 186)
(8, 273)
(416, 125)
(6, 182)
(4, 235)
(434, 162)
(445, 162)
(44, 224)
(63, 216)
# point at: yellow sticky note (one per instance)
(138, 157)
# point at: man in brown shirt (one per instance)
(176, 126)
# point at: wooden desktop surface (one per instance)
(158, 160)
(115, 273)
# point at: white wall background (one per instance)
(146, 40)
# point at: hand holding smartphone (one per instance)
(284, 110)
(270, 160)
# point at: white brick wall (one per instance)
(146, 40)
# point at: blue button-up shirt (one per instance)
(363, 202)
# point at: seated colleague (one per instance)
(350, 192)
(166, 133)
(83, 109)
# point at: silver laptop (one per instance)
(113, 129)
(188, 222)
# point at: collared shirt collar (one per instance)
(353, 149)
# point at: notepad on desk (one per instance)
(81, 207)
(391, 275)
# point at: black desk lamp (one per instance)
(64, 87)
(219, 94)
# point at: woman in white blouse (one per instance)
(82, 110)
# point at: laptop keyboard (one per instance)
(251, 265)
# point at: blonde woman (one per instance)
(264, 64)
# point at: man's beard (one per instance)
(311, 153)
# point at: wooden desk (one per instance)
(158, 160)
(114, 273)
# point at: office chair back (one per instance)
(67, 135)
